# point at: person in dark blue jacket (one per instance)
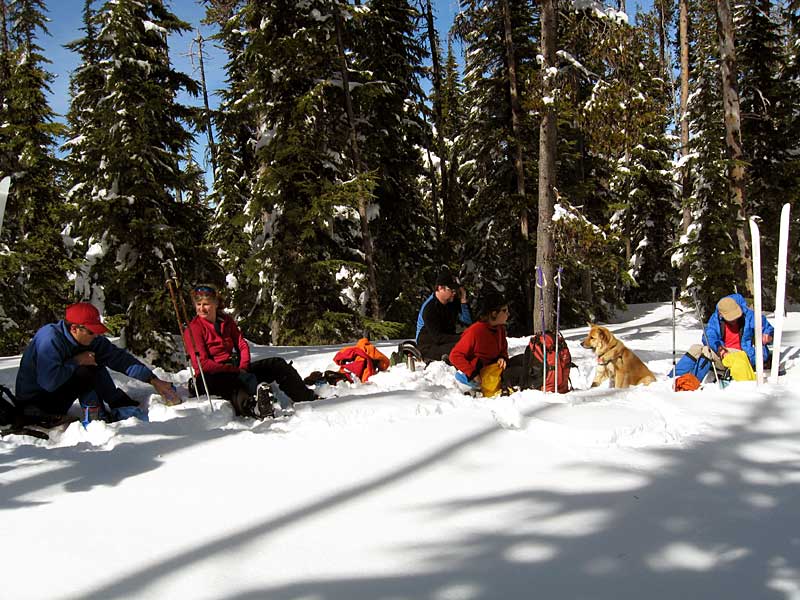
(68, 360)
(439, 316)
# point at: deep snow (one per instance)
(403, 488)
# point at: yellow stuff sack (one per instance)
(739, 366)
(490, 380)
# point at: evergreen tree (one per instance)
(790, 78)
(303, 268)
(231, 232)
(709, 249)
(388, 104)
(33, 264)
(593, 136)
(634, 136)
(767, 103)
(494, 248)
(127, 174)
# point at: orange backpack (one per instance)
(361, 361)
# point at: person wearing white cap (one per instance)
(67, 360)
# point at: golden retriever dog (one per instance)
(615, 360)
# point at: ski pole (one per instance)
(540, 283)
(194, 349)
(704, 339)
(673, 337)
(756, 263)
(183, 326)
(558, 315)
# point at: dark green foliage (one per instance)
(283, 231)
(593, 260)
(633, 136)
(34, 261)
(494, 248)
(768, 106)
(388, 105)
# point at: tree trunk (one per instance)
(686, 183)
(519, 156)
(547, 168)
(363, 200)
(212, 147)
(441, 148)
(733, 134)
(664, 51)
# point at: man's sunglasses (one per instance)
(205, 289)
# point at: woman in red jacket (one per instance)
(483, 343)
(224, 356)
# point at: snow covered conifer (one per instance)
(768, 103)
(709, 249)
(494, 245)
(33, 263)
(387, 102)
(127, 175)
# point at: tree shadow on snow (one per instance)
(718, 519)
(84, 466)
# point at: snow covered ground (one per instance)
(403, 488)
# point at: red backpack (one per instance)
(533, 374)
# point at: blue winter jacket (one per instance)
(47, 362)
(715, 335)
(460, 310)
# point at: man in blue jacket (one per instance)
(730, 328)
(439, 316)
(67, 360)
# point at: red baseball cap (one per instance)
(87, 315)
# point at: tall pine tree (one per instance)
(33, 265)
(127, 163)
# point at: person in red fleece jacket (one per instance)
(483, 343)
(224, 356)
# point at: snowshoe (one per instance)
(22, 430)
(264, 402)
(330, 377)
(410, 347)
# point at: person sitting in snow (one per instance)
(730, 329)
(439, 316)
(483, 348)
(67, 360)
(224, 357)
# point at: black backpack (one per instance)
(8, 408)
(534, 362)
